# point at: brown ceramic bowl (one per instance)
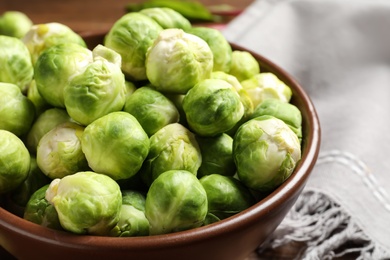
(233, 238)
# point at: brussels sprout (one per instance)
(131, 36)
(222, 51)
(177, 61)
(86, 202)
(244, 65)
(177, 99)
(59, 151)
(40, 211)
(15, 24)
(115, 145)
(217, 155)
(98, 90)
(266, 152)
(173, 147)
(212, 107)
(14, 161)
(132, 220)
(56, 66)
(36, 98)
(226, 195)
(167, 17)
(42, 36)
(152, 109)
(17, 112)
(48, 120)
(287, 112)
(244, 97)
(264, 86)
(15, 62)
(35, 180)
(175, 201)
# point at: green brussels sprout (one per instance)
(132, 221)
(46, 121)
(86, 202)
(266, 152)
(287, 112)
(222, 51)
(36, 98)
(15, 62)
(173, 147)
(244, 97)
(38, 210)
(167, 17)
(59, 151)
(56, 66)
(15, 24)
(127, 149)
(34, 181)
(177, 100)
(152, 109)
(264, 86)
(244, 65)
(17, 112)
(42, 36)
(177, 61)
(212, 107)
(98, 90)
(14, 161)
(131, 36)
(176, 201)
(217, 155)
(226, 196)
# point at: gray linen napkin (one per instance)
(339, 50)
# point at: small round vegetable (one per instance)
(264, 86)
(42, 36)
(14, 161)
(86, 202)
(15, 62)
(56, 66)
(266, 152)
(49, 119)
(222, 51)
(287, 112)
(131, 36)
(38, 210)
(15, 24)
(127, 149)
(59, 151)
(167, 17)
(244, 65)
(173, 147)
(132, 221)
(17, 112)
(152, 109)
(177, 61)
(226, 195)
(98, 90)
(217, 155)
(212, 107)
(175, 201)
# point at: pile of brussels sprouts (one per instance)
(160, 128)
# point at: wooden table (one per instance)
(96, 16)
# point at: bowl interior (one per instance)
(272, 208)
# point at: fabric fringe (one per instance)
(326, 230)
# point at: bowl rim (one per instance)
(294, 184)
